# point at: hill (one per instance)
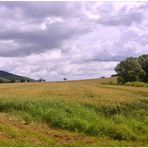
(9, 77)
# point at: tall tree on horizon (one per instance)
(129, 70)
(143, 61)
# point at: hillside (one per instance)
(7, 77)
(73, 113)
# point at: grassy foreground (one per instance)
(76, 113)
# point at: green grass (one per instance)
(137, 84)
(114, 122)
(114, 112)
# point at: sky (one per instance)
(73, 40)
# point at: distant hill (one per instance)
(9, 77)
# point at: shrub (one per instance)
(22, 80)
(12, 81)
(1, 81)
(137, 84)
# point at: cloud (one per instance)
(125, 19)
(70, 39)
(120, 14)
(42, 31)
(56, 67)
(37, 9)
(38, 41)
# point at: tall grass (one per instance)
(112, 121)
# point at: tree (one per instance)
(41, 80)
(12, 81)
(22, 80)
(129, 70)
(64, 79)
(114, 75)
(143, 61)
(1, 81)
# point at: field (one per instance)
(73, 113)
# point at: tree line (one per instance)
(133, 69)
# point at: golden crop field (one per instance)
(73, 113)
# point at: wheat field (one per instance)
(74, 113)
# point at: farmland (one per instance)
(73, 113)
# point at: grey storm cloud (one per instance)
(38, 9)
(53, 34)
(38, 41)
(70, 39)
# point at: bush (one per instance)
(12, 81)
(22, 80)
(111, 82)
(137, 84)
(1, 81)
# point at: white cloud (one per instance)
(70, 39)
